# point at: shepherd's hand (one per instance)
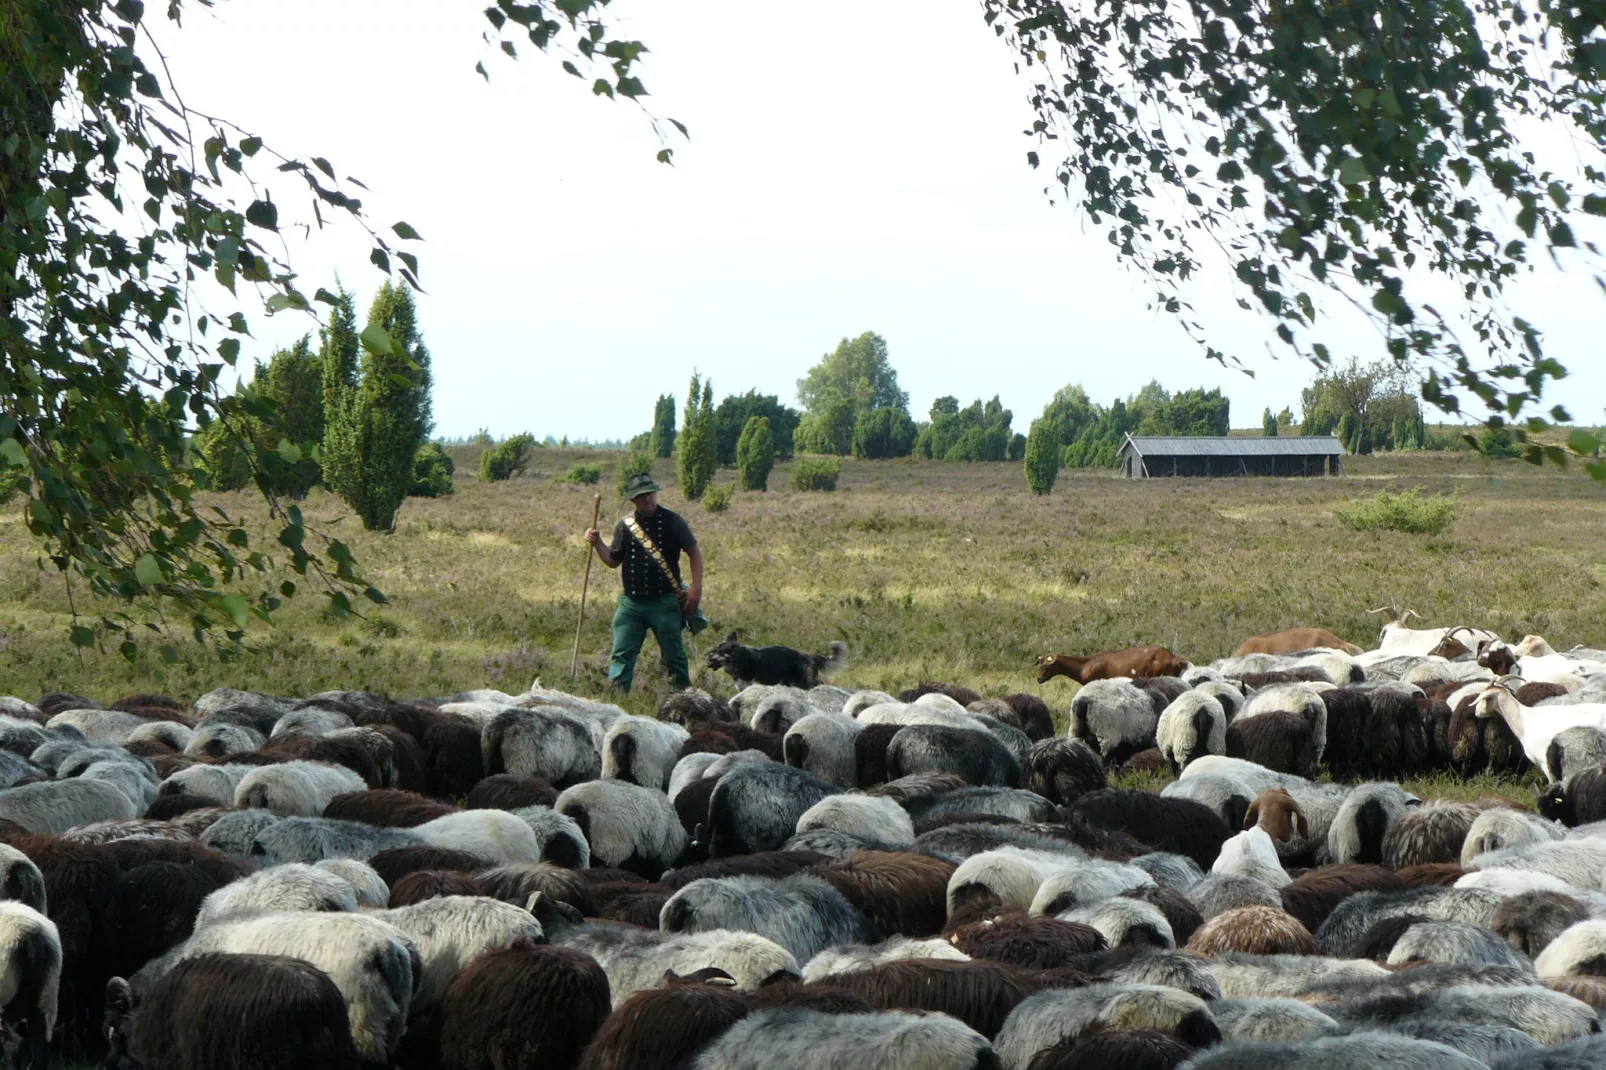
(594, 537)
(693, 596)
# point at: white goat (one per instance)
(1536, 726)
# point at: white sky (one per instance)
(853, 165)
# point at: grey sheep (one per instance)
(755, 807)
(1042, 1020)
(309, 721)
(636, 958)
(1451, 941)
(560, 840)
(1084, 882)
(855, 958)
(801, 1039)
(1271, 1021)
(169, 733)
(689, 770)
(1549, 1017)
(1218, 893)
(1435, 832)
(1242, 976)
(977, 756)
(1114, 717)
(821, 745)
(549, 741)
(1573, 750)
(1338, 1053)
(802, 913)
(235, 832)
(313, 839)
(640, 750)
(51, 807)
(1017, 804)
(1178, 872)
(628, 826)
(1579, 862)
(127, 778)
(1485, 1043)
(1125, 922)
(860, 701)
(98, 726)
(1342, 932)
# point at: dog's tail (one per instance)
(838, 657)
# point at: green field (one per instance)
(929, 571)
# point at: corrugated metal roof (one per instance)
(1209, 446)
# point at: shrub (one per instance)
(506, 459)
(582, 473)
(432, 472)
(755, 454)
(1017, 447)
(1042, 457)
(1497, 442)
(883, 433)
(717, 499)
(1411, 511)
(699, 457)
(815, 473)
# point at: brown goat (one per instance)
(1133, 661)
(1278, 816)
(1291, 639)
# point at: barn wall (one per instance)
(1210, 466)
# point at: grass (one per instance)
(929, 571)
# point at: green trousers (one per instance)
(631, 622)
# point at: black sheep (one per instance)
(509, 791)
(931, 748)
(1181, 826)
(1063, 770)
(156, 907)
(1280, 740)
(728, 738)
(1032, 715)
(958, 692)
(167, 807)
(522, 1006)
(456, 762)
(756, 807)
(1348, 710)
(870, 753)
(515, 884)
(1579, 801)
(243, 1012)
(761, 864)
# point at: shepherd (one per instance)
(648, 543)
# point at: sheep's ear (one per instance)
(119, 997)
(1302, 825)
(1252, 815)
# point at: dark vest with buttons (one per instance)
(641, 575)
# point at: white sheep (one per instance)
(625, 825)
(215, 783)
(1252, 854)
(30, 968)
(870, 817)
(295, 789)
(294, 887)
(1191, 727)
(636, 959)
(855, 958)
(642, 751)
(451, 931)
(370, 961)
(99, 726)
(495, 835)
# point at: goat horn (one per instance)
(1379, 609)
(1411, 613)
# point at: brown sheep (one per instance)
(902, 894)
(523, 1006)
(1431, 833)
(1290, 640)
(1027, 941)
(509, 791)
(1430, 874)
(1591, 990)
(979, 993)
(1313, 895)
(1133, 661)
(1113, 1049)
(1253, 930)
(662, 1028)
(431, 884)
(387, 808)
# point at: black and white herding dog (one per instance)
(774, 664)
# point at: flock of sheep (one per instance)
(821, 878)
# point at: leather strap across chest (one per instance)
(636, 532)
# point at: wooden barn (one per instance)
(1145, 458)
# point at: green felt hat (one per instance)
(641, 484)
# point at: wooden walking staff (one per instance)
(585, 588)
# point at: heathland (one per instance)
(928, 571)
